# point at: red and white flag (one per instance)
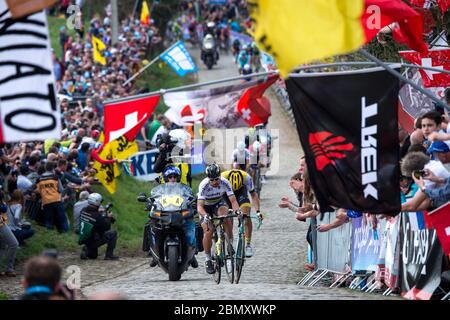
(443, 4)
(253, 106)
(224, 107)
(439, 59)
(127, 118)
(440, 219)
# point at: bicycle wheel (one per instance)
(216, 259)
(229, 258)
(240, 257)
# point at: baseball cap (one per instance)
(438, 146)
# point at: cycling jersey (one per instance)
(239, 157)
(212, 195)
(239, 179)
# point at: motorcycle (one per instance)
(209, 52)
(164, 237)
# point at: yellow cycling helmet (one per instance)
(236, 180)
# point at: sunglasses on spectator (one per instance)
(172, 176)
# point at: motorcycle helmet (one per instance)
(236, 180)
(213, 171)
(171, 170)
(247, 68)
(95, 199)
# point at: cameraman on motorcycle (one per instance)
(209, 42)
(166, 143)
(95, 229)
(172, 175)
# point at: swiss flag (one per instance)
(440, 219)
(253, 106)
(126, 118)
(439, 59)
(443, 4)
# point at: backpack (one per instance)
(86, 227)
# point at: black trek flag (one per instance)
(347, 123)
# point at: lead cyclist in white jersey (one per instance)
(210, 202)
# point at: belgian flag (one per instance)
(295, 32)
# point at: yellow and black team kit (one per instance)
(241, 182)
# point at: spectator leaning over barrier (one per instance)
(8, 242)
(50, 189)
(42, 276)
(341, 218)
(440, 195)
(20, 228)
(77, 208)
(430, 122)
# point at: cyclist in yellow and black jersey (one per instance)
(242, 184)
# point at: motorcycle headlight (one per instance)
(208, 45)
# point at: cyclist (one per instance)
(244, 58)
(242, 184)
(256, 56)
(210, 202)
(240, 156)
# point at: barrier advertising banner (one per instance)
(366, 245)
(392, 255)
(421, 258)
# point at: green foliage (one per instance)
(3, 296)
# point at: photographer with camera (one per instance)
(95, 229)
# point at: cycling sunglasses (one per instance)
(214, 179)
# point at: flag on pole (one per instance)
(22, 8)
(107, 172)
(126, 118)
(439, 59)
(347, 124)
(145, 14)
(98, 46)
(179, 59)
(221, 107)
(300, 31)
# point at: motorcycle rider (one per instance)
(210, 41)
(172, 175)
(242, 184)
(95, 229)
(210, 202)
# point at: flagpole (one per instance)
(190, 86)
(424, 91)
(362, 63)
(148, 65)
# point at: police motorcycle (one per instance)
(169, 205)
(209, 52)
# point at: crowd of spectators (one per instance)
(47, 180)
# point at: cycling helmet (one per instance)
(213, 171)
(95, 199)
(210, 24)
(256, 146)
(251, 132)
(236, 180)
(171, 170)
(247, 67)
(241, 146)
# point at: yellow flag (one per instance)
(123, 149)
(98, 46)
(295, 32)
(145, 14)
(106, 173)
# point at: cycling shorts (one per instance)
(211, 210)
(241, 198)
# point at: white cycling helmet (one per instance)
(95, 199)
(257, 145)
(241, 146)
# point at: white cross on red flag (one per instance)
(127, 118)
(439, 59)
(440, 220)
(443, 4)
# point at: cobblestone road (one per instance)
(279, 246)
